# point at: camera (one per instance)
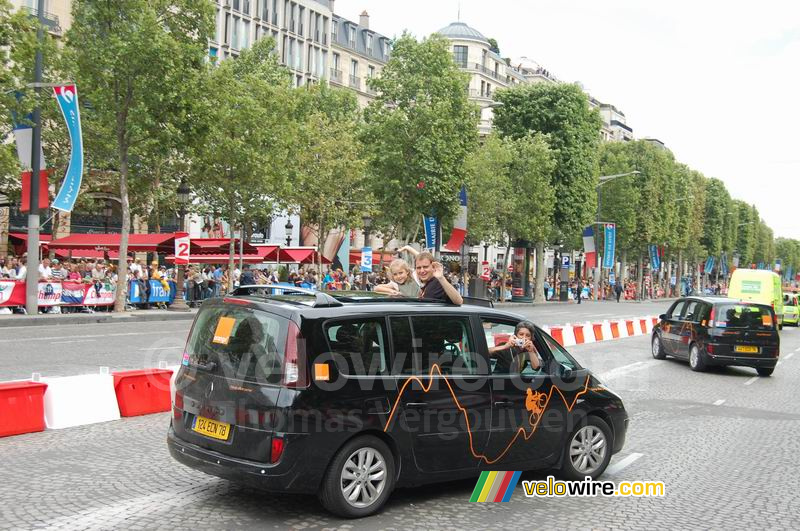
(519, 342)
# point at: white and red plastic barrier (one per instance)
(63, 402)
(592, 332)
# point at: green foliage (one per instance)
(531, 206)
(746, 231)
(715, 213)
(619, 198)
(562, 112)
(493, 46)
(489, 189)
(419, 129)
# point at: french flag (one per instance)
(453, 245)
(589, 253)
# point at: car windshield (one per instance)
(746, 316)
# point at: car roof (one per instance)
(721, 299)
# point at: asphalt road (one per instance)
(724, 443)
(82, 349)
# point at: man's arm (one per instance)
(409, 249)
(451, 292)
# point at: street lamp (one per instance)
(107, 213)
(288, 228)
(183, 197)
(603, 179)
(367, 220)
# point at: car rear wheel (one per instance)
(696, 361)
(588, 451)
(359, 479)
(765, 371)
(658, 348)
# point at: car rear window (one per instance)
(238, 343)
(747, 316)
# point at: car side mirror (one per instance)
(662, 317)
(565, 373)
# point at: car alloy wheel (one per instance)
(587, 449)
(363, 477)
(696, 359)
(657, 349)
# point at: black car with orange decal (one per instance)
(718, 331)
(351, 394)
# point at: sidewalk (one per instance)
(138, 316)
(585, 301)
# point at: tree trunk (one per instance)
(320, 247)
(541, 272)
(505, 272)
(623, 265)
(122, 262)
(640, 276)
(679, 274)
(231, 252)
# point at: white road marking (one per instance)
(719, 402)
(72, 341)
(162, 348)
(789, 355)
(149, 333)
(625, 369)
(797, 349)
(624, 463)
(751, 380)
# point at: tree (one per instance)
(746, 232)
(242, 168)
(136, 63)
(330, 186)
(418, 132)
(489, 189)
(562, 112)
(493, 46)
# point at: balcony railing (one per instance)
(51, 22)
(480, 68)
(336, 76)
(475, 93)
(355, 82)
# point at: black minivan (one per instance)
(718, 331)
(349, 395)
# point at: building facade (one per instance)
(358, 53)
(57, 13)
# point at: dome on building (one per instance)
(459, 30)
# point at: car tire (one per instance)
(765, 371)
(657, 348)
(349, 471)
(588, 450)
(696, 361)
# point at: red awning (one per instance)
(295, 255)
(268, 253)
(85, 253)
(355, 256)
(218, 259)
(100, 242)
(217, 246)
(19, 241)
(24, 236)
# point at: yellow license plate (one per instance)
(748, 350)
(212, 428)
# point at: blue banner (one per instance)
(709, 265)
(431, 231)
(723, 264)
(609, 247)
(655, 260)
(366, 259)
(67, 97)
(157, 292)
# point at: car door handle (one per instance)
(416, 405)
(503, 403)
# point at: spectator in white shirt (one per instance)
(23, 269)
(45, 272)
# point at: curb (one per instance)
(104, 317)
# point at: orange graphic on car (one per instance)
(535, 402)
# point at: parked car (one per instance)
(349, 395)
(791, 311)
(758, 285)
(708, 331)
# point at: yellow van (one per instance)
(760, 286)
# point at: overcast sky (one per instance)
(717, 82)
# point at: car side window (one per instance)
(675, 311)
(560, 355)
(360, 344)
(689, 312)
(506, 360)
(447, 342)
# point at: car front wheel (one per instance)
(658, 348)
(588, 451)
(359, 479)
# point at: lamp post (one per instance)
(367, 219)
(107, 213)
(288, 228)
(183, 196)
(603, 179)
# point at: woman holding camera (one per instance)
(512, 354)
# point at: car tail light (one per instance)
(711, 318)
(710, 348)
(277, 450)
(294, 366)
